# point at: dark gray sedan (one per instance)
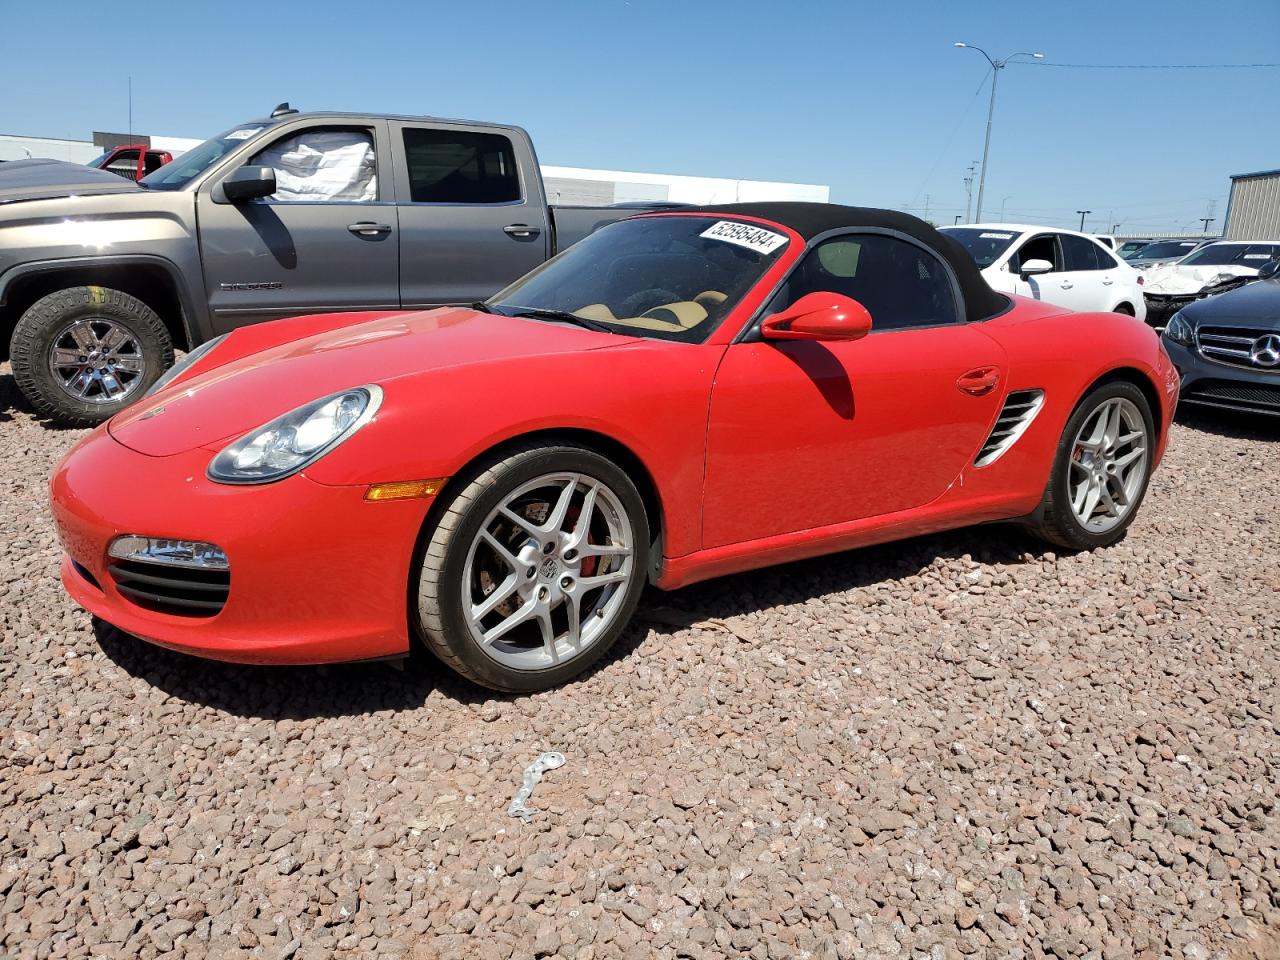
(1227, 347)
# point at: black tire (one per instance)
(474, 496)
(47, 320)
(1054, 519)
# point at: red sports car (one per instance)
(681, 395)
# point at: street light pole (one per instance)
(1002, 203)
(1082, 214)
(996, 67)
(1206, 221)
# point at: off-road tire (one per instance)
(1054, 520)
(34, 335)
(471, 498)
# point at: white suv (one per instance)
(1062, 267)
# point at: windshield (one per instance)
(1167, 249)
(985, 246)
(99, 160)
(1237, 254)
(666, 277)
(182, 170)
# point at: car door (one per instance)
(472, 214)
(1093, 285)
(326, 241)
(806, 434)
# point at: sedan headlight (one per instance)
(1179, 330)
(287, 444)
(184, 363)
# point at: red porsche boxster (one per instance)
(680, 396)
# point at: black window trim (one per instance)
(404, 127)
(288, 133)
(750, 332)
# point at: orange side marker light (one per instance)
(404, 489)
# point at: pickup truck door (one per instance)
(473, 215)
(327, 241)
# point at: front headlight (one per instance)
(1179, 330)
(287, 444)
(184, 363)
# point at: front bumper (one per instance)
(318, 575)
(1209, 383)
(1160, 307)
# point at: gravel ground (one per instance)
(962, 745)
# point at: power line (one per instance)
(1151, 66)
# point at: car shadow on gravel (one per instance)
(295, 693)
(280, 693)
(1230, 423)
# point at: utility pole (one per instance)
(926, 208)
(130, 108)
(968, 189)
(1082, 213)
(996, 67)
(1208, 218)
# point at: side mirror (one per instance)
(249, 183)
(1269, 270)
(1033, 268)
(819, 316)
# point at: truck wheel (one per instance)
(83, 354)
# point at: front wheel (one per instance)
(1100, 471)
(534, 568)
(83, 354)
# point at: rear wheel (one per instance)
(534, 568)
(1100, 471)
(83, 354)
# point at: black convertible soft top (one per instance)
(812, 219)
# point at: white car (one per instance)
(1062, 267)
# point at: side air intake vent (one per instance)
(1020, 408)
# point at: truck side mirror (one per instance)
(249, 183)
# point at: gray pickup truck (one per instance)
(101, 279)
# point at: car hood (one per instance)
(51, 179)
(1172, 279)
(261, 372)
(1254, 305)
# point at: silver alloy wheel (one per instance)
(96, 360)
(1108, 464)
(548, 571)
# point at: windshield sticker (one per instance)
(244, 133)
(995, 236)
(1256, 256)
(745, 235)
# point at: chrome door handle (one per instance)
(367, 228)
(1107, 282)
(521, 230)
(1067, 284)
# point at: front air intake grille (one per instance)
(1019, 409)
(1234, 345)
(182, 591)
(1258, 398)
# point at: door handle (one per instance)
(521, 230)
(367, 228)
(1107, 281)
(978, 382)
(1067, 284)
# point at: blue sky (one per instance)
(869, 97)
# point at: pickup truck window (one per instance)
(667, 277)
(176, 175)
(322, 165)
(456, 166)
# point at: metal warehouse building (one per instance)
(1253, 212)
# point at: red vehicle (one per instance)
(679, 396)
(132, 161)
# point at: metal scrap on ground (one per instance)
(532, 774)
